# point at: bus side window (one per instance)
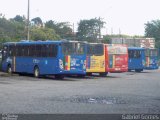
(50, 50)
(13, 50)
(18, 50)
(55, 50)
(38, 51)
(23, 50)
(31, 47)
(32, 50)
(138, 54)
(47, 50)
(43, 50)
(135, 54)
(10, 51)
(131, 53)
(26, 50)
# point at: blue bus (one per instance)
(151, 56)
(136, 59)
(39, 58)
(159, 56)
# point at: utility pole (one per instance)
(111, 31)
(120, 36)
(99, 28)
(73, 32)
(28, 20)
(119, 32)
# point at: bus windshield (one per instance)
(134, 53)
(153, 52)
(95, 49)
(117, 50)
(146, 52)
(69, 48)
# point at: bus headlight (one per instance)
(61, 64)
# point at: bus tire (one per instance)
(36, 72)
(81, 76)
(59, 77)
(9, 69)
(89, 74)
(138, 70)
(103, 74)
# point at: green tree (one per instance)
(19, 18)
(12, 29)
(4, 27)
(43, 34)
(106, 39)
(37, 21)
(152, 29)
(89, 30)
(63, 29)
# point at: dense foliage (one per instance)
(15, 29)
(152, 29)
(90, 30)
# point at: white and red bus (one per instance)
(116, 58)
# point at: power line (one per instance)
(28, 14)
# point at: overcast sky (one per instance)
(127, 15)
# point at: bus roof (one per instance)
(152, 48)
(117, 45)
(39, 42)
(95, 43)
(135, 48)
(32, 42)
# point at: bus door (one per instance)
(5, 58)
(9, 57)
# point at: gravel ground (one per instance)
(118, 93)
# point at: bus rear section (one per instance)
(136, 59)
(95, 61)
(116, 58)
(151, 56)
(73, 58)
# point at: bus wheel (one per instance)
(9, 69)
(103, 74)
(59, 76)
(36, 72)
(81, 76)
(89, 74)
(138, 70)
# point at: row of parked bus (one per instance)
(61, 58)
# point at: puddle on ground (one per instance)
(93, 100)
(98, 100)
